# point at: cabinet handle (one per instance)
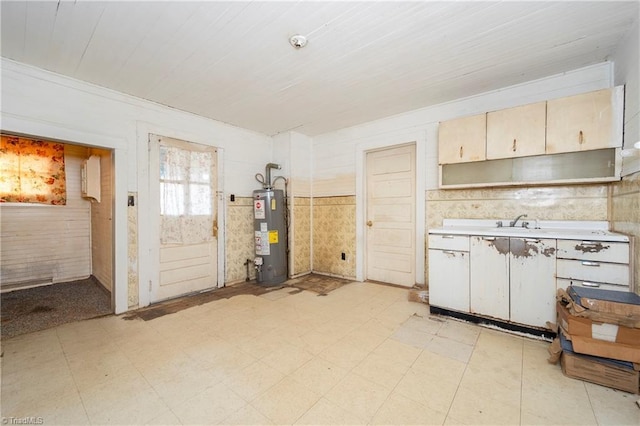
(489, 238)
(589, 243)
(447, 236)
(514, 146)
(448, 251)
(461, 152)
(531, 240)
(588, 284)
(581, 137)
(587, 263)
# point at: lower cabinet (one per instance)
(514, 279)
(507, 278)
(532, 281)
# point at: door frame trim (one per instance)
(418, 138)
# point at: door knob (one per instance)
(369, 223)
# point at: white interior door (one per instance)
(183, 193)
(390, 222)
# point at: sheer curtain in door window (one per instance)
(186, 198)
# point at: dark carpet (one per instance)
(35, 309)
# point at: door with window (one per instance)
(183, 193)
(391, 207)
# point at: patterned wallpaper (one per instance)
(334, 232)
(132, 253)
(576, 202)
(239, 239)
(301, 235)
(625, 215)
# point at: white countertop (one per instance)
(564, 230)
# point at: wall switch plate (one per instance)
(131, 201)
(232, 197)
(343, 256)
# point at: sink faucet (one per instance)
(513, 222)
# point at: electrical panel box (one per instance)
(91, 178)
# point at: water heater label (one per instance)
(273, 237)
(258, 209)
(262, 243)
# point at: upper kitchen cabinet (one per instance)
(516, 132)
(584, 122)
(462, 140)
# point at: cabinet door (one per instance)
(516, 132)
(583, 122)
(449, 279)
(489, 275)
(462, 140)
(533, 284)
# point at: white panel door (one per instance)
(183, 193)
(390, 221)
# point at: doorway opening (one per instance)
(57, 259)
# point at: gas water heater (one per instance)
(270, 232)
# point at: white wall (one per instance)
(44, 243)
(301, 150)
(40, 103)
(101, 224)
(627, 72)
(338, 157)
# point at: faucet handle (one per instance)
(499, 224)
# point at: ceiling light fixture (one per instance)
(298, 41)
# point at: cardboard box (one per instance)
(594, 371)
(615, 374)
(623, 303)
(604, 349)
(587, 327)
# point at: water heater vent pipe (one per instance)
(266, 179)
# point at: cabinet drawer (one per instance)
(601, 251)
(449, 242)
(564, 283)
(591, 271)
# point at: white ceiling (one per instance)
(231, 61)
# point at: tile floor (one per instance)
(361, 355)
